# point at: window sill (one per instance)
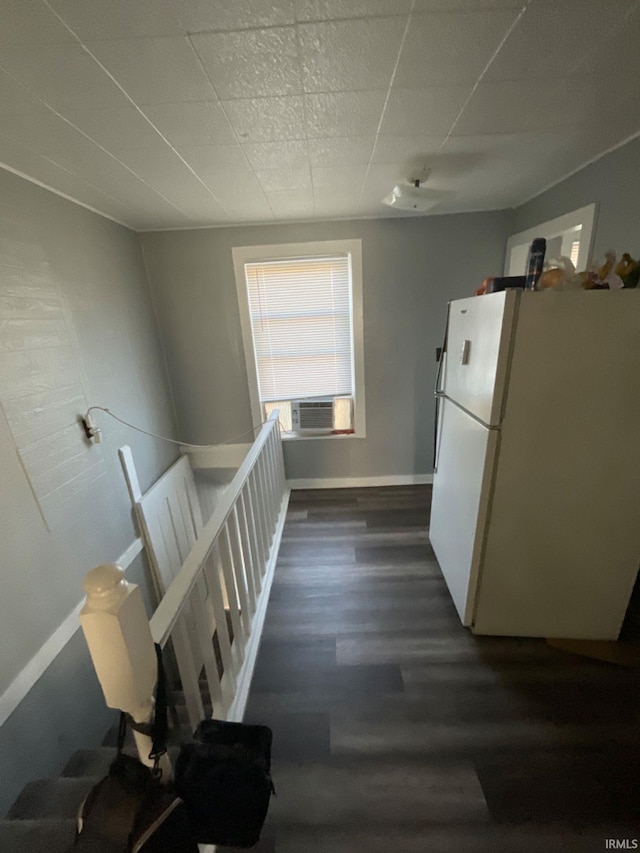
(321, 437)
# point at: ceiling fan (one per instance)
(411, 195)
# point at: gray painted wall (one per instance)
(411, 268)
(613, 182)
(53, 251)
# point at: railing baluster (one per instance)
(268, 507)
(259, 514)
(205, 642)
(257, 533)
(245, 541)
(213, 571)
(270, 482)
(280, 459)
(189, 677)
(252, 539)
(239, 573)
(277, 490)
(239, 637)
(264, 506)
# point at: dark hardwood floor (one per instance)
(395, 729)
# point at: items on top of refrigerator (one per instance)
(605, 276)
(560, 274)
(535, 263)
(494, 285)
(480, 291)
(505, 282)
(628, 270)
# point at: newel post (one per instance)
(116, 628)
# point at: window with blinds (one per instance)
(301, 322)
(301, 315)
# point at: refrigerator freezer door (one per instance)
(461, 486)
(478, 343)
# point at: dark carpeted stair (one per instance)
(43, 817)
(36, 836)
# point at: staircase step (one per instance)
(36, 836)
(183, 714)
(90, 762)
(111, 738)
(47, 798)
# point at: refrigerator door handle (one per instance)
(441, 352)
(438, 392)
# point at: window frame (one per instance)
(582, 219)
(282, 251)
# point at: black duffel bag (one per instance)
(224, 779)
(131, 810)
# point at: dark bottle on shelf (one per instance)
(535, 262)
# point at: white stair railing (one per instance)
(221, 589)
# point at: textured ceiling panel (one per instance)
(293, 204)
(566, 29)
(44, 170)
(513, 106)
(63, 75)
(155, 70)
(233, 187)
(321, 10)
(168, 113)
(340, 56)
(400, 149)
(15, 99)
(111, 175)
(610, 67)
(292, 154)
(30, 22)
(332, 201)
(341, 151)
(124, 127)
(43, 132)
(209, 159)
(343, 113)
(118, 19)
(423, 112)
(206, 15)
(250, 209)
(446, 48)
(267, 119)
(467, 5)
(154, 165)
(191, 123)
(275, 180)
(347, 178)
(251, 63)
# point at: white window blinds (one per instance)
(301, 322)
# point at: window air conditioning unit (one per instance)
(312, 415)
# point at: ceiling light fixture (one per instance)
(410, 195)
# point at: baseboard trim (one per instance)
(45, 656)
(359, 482)
(245, 676)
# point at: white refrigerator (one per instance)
(535, 516)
